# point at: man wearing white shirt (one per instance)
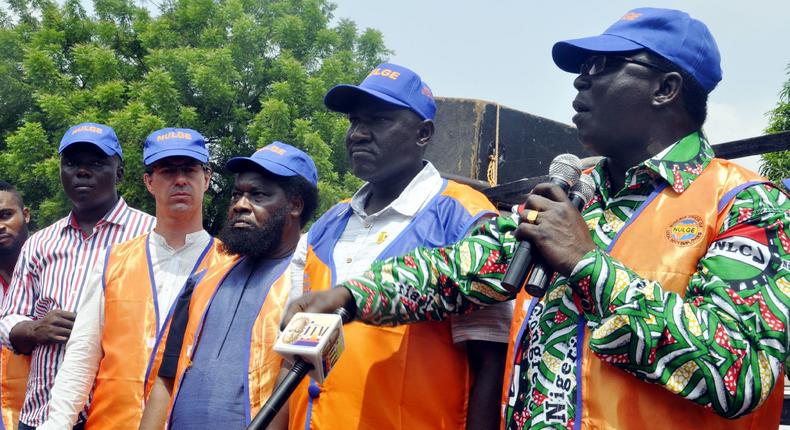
(445, 375)
(130, 293)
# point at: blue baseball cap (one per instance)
(172, 142)
(90, 132)
(672, 34)
(278, 158)
(390, 83)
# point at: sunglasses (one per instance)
(597, 63)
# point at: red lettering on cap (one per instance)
(426, 91)
(630, 16)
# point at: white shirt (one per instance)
(366, 236)
(73, 384)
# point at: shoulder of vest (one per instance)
(335, 209)
(472, 200)
(736, 170)
(329, 215)
(129, 244)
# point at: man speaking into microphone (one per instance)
(670, 308)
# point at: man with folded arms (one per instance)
(130, 292)
(53, 267)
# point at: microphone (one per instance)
(312, 343)
(564, 171)
(581, 193)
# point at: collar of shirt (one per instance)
(412, 199)
(198, 238)
(678, 165)
(117, 215)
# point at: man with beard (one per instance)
(54, 264)
(14, 217)
(128, 299)
(224, 333)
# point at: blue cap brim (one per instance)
(344, 98)
(106, 150)
(175, 152)
(569, 55)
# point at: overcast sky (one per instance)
(500, 50)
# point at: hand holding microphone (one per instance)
(539, 278)
(558, 232)
(564, 171)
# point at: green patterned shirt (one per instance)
(735, 310)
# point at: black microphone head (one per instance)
(565, 168)
(583, 189)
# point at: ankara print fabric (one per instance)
(734, 311)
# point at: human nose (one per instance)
(242, 205)
(84, 171)
(581, 82)
(181, 177)
(358, 132)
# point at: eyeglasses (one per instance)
(597, 63)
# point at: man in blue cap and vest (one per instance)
(223, 330)
(670, 308)
(129, 296)
(52, 272)
(442, 375)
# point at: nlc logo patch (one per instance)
(686, 230)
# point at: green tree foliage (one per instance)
(776, 165)
(242, 72)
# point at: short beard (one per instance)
(15, 248)
(254, 243)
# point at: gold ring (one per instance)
(532, 216)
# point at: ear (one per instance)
(26, 214)
(425, 132)
(119, 172)
(669, 87)
(297, 207)
(147, 180)
(207, 176)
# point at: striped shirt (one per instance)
(50, 274)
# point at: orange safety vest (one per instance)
(615, 400)
(131, 342)
(14, 371)
(264, 365)
(407, 377)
